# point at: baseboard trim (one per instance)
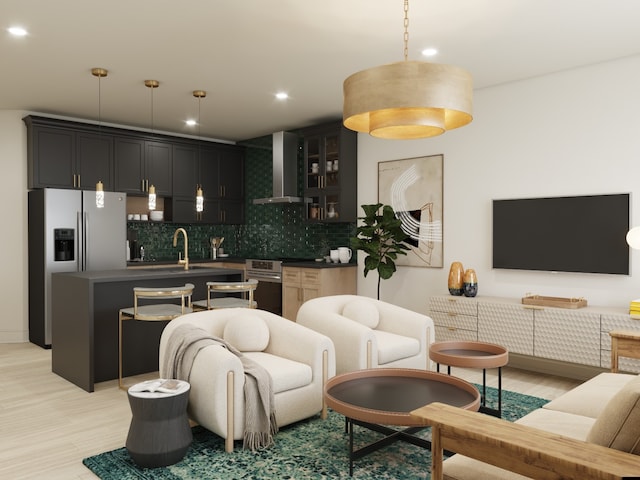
(553, 367)
(14, 337)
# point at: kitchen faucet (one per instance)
(185, 260)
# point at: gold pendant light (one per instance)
(408, 100)
(99, 72)
(151, 84)
(199, 94)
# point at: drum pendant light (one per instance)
(99, 72)
(151, 84)
(407, 100)
(199, 94)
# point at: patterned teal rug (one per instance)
(312, 449)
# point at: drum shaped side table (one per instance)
(472, 354)
(159, 434)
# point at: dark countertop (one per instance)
(308, 264)
(303, 263)
(126, 274)
(192, 261)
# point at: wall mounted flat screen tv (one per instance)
(564, 234)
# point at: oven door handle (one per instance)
(265, 278)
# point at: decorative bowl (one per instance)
(156, 215)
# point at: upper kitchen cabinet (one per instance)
(186, 172)
(219, 170)
(232, 173)
(140, 163)
(63, 154)
(330, 170)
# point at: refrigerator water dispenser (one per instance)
(63, 243)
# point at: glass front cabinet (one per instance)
(330, 153)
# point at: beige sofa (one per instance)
(581, 434)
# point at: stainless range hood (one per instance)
(285, 170)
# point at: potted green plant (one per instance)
(381, 238)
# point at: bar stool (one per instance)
(246, 288)
(153, 312)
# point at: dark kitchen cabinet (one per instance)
(66, 154)
(330, 173)
(186, 170)
(94, 160)
(232, 174)
(65, 157)
(140, 163)
(219, 170)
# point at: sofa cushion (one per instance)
(590, 397)
(286, 374)
(460, 467)
(562, 423)
(618, 426)
(392, 347)
(363, 312)
(248, 333)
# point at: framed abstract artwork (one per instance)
(414, 188)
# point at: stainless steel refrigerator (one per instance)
(68, 233)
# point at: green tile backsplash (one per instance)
(269, 230)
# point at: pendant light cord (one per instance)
(406, 30)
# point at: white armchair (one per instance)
(369, 333)
(298, 359)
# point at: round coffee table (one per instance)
(374, 398)
(471, 354)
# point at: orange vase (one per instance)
(456, 279)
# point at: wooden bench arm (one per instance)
(519, 448)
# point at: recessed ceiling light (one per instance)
(191, 123)
(282, 95)
(17, 31)
(429, 52)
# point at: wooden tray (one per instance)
(559, 302)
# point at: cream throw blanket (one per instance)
(183, 346)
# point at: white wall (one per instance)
(13, 241)
(571, 133)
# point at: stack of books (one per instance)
(634, 309)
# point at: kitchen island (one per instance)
(85, 308)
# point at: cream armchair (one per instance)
(298, 359)
(369, 333)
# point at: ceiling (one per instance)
(244, 51)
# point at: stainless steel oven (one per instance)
(268, 294)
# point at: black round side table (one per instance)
(159, 434)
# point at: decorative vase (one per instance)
(470, 284)
(456, 274)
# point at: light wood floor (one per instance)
(48, 425)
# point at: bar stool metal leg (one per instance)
(120, 385)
